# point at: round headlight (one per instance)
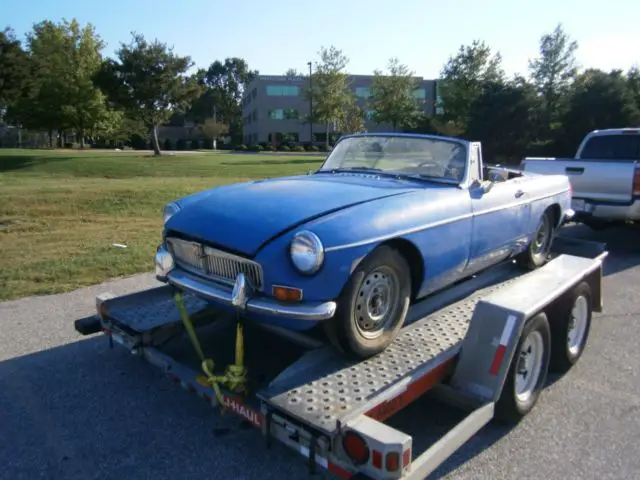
(307, 252)
(169, 211)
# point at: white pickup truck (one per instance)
(604, 176)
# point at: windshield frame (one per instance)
(437, 179)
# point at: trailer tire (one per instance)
(518, 398)
(355, 328)
(570, 327)
(537, 253)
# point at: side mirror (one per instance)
(484, 186)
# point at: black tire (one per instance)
(347, 329)
(509, 407)
(574, 310)
(537, 253)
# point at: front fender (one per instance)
(326, 284)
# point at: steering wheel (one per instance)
(448, 170)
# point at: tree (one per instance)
(463, 78)
(331, 89)
(599, 100)
(352, 119)
(213, 129)
(115, 126)
(552, 73)
(292, 72)
(503, 118)
(149, 82)
(633, 84)
(223, 85)
(65, 57)
(14, 70)
(393, 96)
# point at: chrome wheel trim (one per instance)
(542, 238)
(577, 324)
(376, 302)
(529, 366)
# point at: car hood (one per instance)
(243, 217)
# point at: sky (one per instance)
(274, 35)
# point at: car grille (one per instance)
(216, 264)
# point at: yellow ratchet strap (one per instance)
(235, 376)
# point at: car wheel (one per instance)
(527, 372)
(373, 305)
(538, 252)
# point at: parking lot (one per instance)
(70, 408)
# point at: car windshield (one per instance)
(430, 158)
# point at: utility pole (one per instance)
(310, 105)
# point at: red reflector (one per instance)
(497, 359)
(377, 459)
(406, 458)
(393, 461)
(355, 446)
(636, 181)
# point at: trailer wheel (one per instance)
(570, 328)
(527, 372)
(373, 305)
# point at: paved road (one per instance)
(70, 408)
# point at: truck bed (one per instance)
(597, 180)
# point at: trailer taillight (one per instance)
(356, 447)
(636, 181)
(393, 461)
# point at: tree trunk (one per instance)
(326, 138)
(50, 138)
(81, 134)
(154, 140)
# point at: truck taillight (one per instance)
(636, 181)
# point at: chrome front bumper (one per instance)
(241, 297)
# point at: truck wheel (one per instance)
(538, 252)
(527, 372)
(373, 305)
(570, 328)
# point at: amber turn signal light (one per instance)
(286, 294)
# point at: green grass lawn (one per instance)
(61, 211)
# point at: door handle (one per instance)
(519, 193)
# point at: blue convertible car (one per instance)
(386, 220)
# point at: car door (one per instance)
(500, 220)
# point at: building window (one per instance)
(254, 115)
(254, 92)
(363, 92)
(290, 137)
(283, 114)
(420, 93)
(282, 90)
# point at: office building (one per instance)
(275, 106)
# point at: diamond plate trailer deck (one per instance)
(457, 345)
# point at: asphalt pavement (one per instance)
(70, 408)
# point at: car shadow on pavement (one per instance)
(622, 243)
(83, 411)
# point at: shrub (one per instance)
(195, 144)
(181, 144)
(285, 148)
(298, 148)
(313, 148)
(168, 144)
(256, 148)
(242, 147)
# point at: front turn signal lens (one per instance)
(286, 294)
